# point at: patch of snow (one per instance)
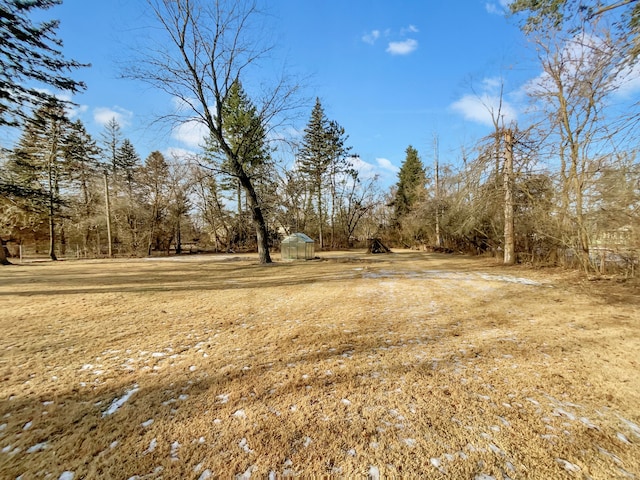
(152, 446)
(174, 450)
(588, 423)
(247, 473)
(307, 441)
(345, 402)
(183, 397)
(148, 423)
(611, 455)
(239, 414)
(205, 475)
(484, 476)
(223, 398)
(244, 445)
(496, 449)
(623, 439)
(193, 368)
(86, 366)
(3, 427)
(114, 444)
(561, 411)
(66, 475)
(47, 403)
(437, 463)
(118, 402)
(410, 442)
(374, 473)
(568, 466)
(27, 426)
(6, 449)
(38, 447)
(634, 428)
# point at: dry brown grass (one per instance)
(412, 365)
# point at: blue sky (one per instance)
(392, 74)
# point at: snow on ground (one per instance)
(119, 402)
(448, 275)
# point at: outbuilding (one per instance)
(297, 246)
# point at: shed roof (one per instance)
(298, 237)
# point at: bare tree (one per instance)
(209, 48)
(579, 75)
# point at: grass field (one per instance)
(403, 365)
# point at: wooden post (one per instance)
(108, 208)
(509, 237)
(437, 189)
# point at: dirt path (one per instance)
(397, 365)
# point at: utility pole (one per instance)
(108, 207)
(509, 238)
(437, 187)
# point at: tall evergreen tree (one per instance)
(38, 161)
(411, 179)
(321, 157)
(111, 139)
(245, 133)
(154, 176)
(81, 155)
(30, 58)
(127, 161)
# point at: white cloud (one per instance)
(102, 115)
(179, 154)
(499, 8)
(385, 164)
(628, 81)
(191, 133)
(371, 37)
(404, 47)
(409, 29)
(483, 108)
(72, 110)
(365, 169)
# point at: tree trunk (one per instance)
(108, 215)
(320, 237)
(52, 221)
(259, 223)
(178, 237)
(3, 254)
(509, 237)
(436, 168)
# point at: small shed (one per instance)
(297, 246)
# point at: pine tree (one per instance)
(249, 158)
(127, 161)
(154, 176)
(246, 135)
(111, 139)
(411, 179)
(321, 157)
(30, 58)
(37, 163)
(81, 155)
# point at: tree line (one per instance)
(561, 189)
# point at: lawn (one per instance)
(402, 365)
